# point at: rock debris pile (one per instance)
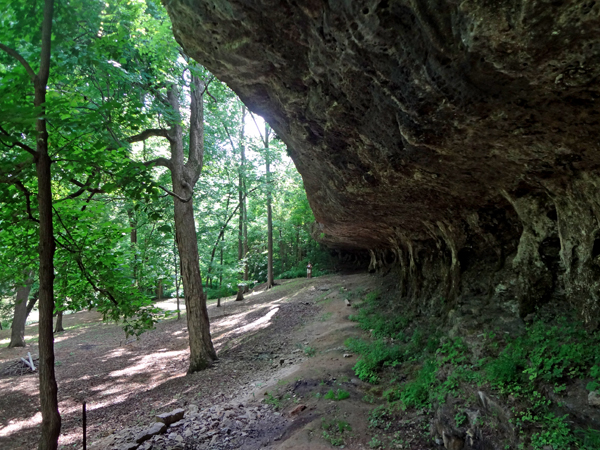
(223, 427)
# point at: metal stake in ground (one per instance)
(84, 428)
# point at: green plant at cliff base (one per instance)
(547, 357)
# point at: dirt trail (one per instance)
(279, 350)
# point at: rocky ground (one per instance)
(281, 352)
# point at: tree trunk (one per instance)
(299, 244)
(48, 388)
(176, 279)
(245, 194)
(269, 212)
(32, 301)
(242, 244)
(221, 272)
(240, 293)
(133, 242)
(184, 178)
(246, 269)
(282, 252)
(202, 352)
(59, 323)
(17, 329)
(159, 290)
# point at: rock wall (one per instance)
(456, 138)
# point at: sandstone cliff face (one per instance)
(456, 138)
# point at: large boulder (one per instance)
(456, 138)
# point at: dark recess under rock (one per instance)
(455, 141)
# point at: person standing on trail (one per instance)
(309, 270)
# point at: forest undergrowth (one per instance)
(415, 368)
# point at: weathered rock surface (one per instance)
(222, 427)
(459, 139)
(151, 431)
(594, 398)
(171, 417)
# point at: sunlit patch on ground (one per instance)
(127, 378)
(15, 425)
(148, 363)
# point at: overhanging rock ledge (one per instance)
(457, 138)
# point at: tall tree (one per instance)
(267, 154)
(184, 175)
(243, 226)
(270, 280)
(51, 420)
(48, 389)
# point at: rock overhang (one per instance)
(466, 128)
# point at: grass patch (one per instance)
(325, 317)
(338, 395)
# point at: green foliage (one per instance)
(417, 393)
(380, 353)
(375, 442)
(379, 416)
(508, 367)
(548, 354)
(460, 419)
(381, 325)
(333, 431)
(337, 395)
(589, 439)
(309, 351)
(300, 272)
(270, 399)
(374, 356)
(108, 82)
(219, 292)
(556, 433)
(295, 272)
(595, 372)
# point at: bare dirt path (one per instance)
(280, 350)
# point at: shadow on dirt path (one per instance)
(281, 351)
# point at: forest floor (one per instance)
(281, 352)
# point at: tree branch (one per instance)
(15, 54)
(77, 257)
(25, 191)
(173, 194)
(89, 199)
(196, 152)
(83, 187)
(262, 138)
(16, 170)
(16, 143)
(222, 232)
(229, 136)
(206, 87)
(163, 162)
(146, 134)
